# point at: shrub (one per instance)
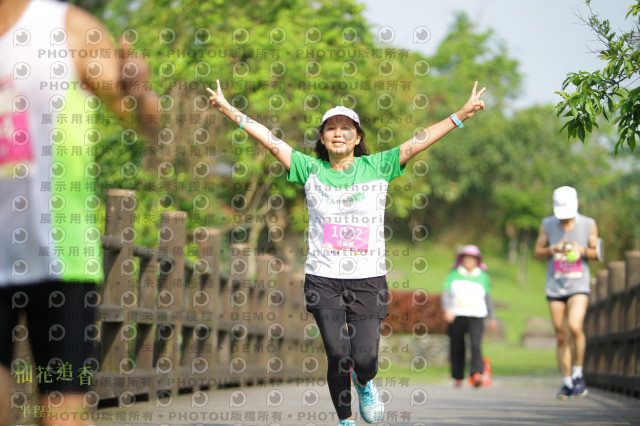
(409, 311)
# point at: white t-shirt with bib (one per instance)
(346, 213)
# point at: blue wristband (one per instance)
(456, 120)
(244, 120)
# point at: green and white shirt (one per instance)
(466, 293)
(346, 213)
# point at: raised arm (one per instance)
(433, 133)
(279, 148)
(118, 77)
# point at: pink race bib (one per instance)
(15, 141)
(346, 237)
(563, 268)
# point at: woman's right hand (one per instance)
(217, 99)
(558, 247)
(277, 147)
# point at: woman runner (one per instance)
(345, 285)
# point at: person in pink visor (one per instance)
(466, 302)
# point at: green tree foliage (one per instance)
(615, 203)
(535, 162)
(611, 92)
(459, 167)
(95, 7)
(285, 62)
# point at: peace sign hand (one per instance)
(217, 99)
(473, 104)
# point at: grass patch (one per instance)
(515, 360)
(506, 360)
(430, 375)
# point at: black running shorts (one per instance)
(58, 314)
(362, 298)
(563, 299)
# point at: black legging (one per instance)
(348, 344)
(457, 329)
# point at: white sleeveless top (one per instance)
(48, 207)
(565, 277)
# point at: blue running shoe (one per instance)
(565, 392)
(347, 422)
(579, 387)
(371, 407)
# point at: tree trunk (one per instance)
(252, 241)
(524, 258)
(510, 230)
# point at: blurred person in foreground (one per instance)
(58, 67)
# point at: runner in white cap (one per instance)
(345, 283)
(567, 240)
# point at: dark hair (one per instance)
(358, 151)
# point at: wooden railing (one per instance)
(168, 325)
(612, 327)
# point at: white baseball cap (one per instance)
(341, 110)
(565, 202)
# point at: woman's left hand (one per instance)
(449, 316)
(581, 250)
(217, 99)
(474, 103)
(493, 324)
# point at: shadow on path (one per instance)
(509, 401)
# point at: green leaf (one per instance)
(583, 97)
(581, 133)
(576, 80)
(567, 80)
(589, 109)
(572, 129)
(574, 111)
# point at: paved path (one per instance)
(509, 401)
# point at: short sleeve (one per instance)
(487, 282)
(302, 166)
(387, 164)
(449, 280)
